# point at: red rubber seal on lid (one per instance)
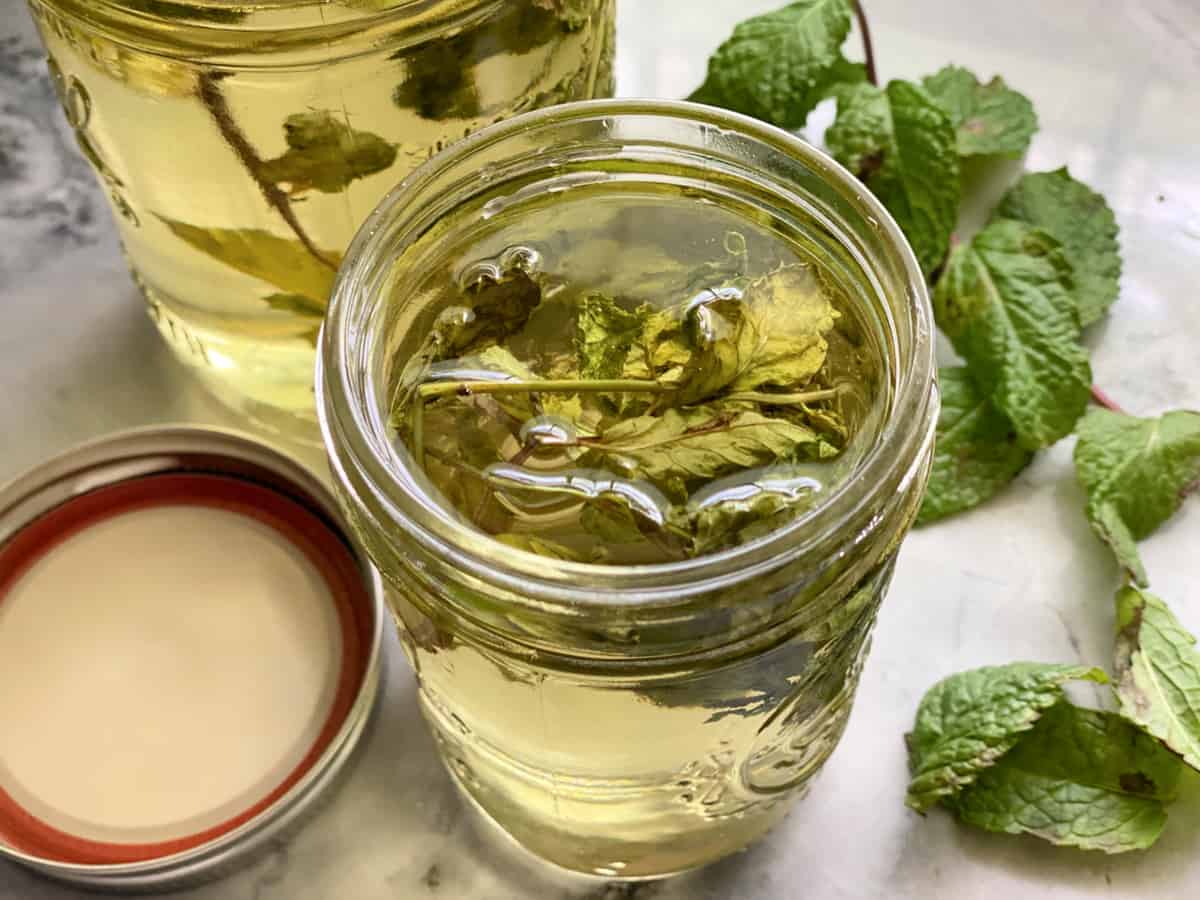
(22, 830)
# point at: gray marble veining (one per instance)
(1114, 85)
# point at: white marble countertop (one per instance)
(1115, 87)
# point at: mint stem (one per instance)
(1102, 399)
(551, 386)
(868, 50)
(209, 91)
(784, 399)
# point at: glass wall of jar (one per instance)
(630, 720)
(242, 144)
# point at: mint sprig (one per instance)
(1001, 746)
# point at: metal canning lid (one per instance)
(261, 565)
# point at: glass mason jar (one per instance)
(242, 144)
(630, 720)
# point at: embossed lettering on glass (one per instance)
(241, 145)
(627, 703)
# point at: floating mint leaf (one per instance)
(1079, 219)
(278, 261)
(1136, 473)
(967, 722)
(779, 65)
(1005, 302)
(991, 119)
(326, 154)
(1158, 673)
(1080, 778)
(976, 452)
(903, 146)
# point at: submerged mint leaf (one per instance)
(1079, 219)
(494, 308)
(604, 335)
(969, 721)
(990, 119)
(771, 332)
(778, 66)
(439, 82)
(612, 522)
(791, 311)
(1158, 673)
(278, 261)
(326, 154)
(755, 511)
(309, 311)
(1081, 778)
(697, 444)
(1005, 302)
(902, 144)
(297, 304)
(1136, 473)
(532, 543)
(976, 452)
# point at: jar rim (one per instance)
(355, 436)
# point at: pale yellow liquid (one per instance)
(603, 766)
(613, 775)
(160, 154)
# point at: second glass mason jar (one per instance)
(630, 720)
(242, 144)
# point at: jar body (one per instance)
(638, 720)
(619, 772)
(240, 150)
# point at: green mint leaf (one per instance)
(1079, 219)
(976, 452)
(697, 444)
(902, 144)
(532, 543)
(967, 722)
(1136, 473)
(326, 154)
(1006, 304)
(778, 66)
(604, 335)
(278, 261)
(1080, 778)
(991, 119)
(1158, 673)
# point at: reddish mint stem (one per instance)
(1102, 399)
(868, 50)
